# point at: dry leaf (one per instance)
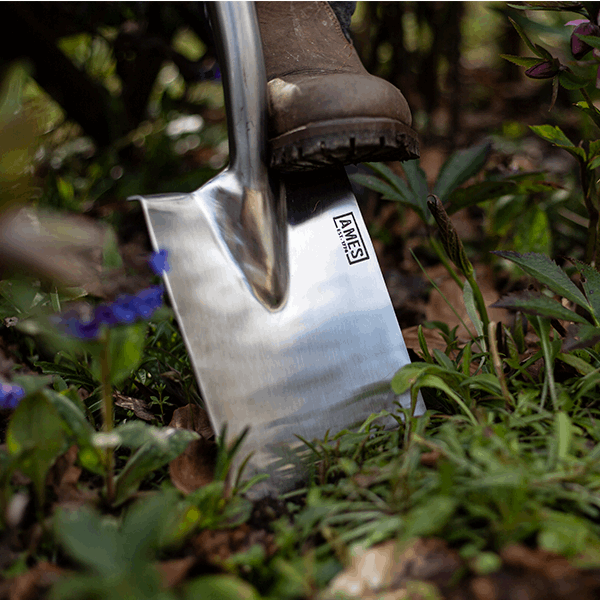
(213, 546)
(30, 585)
(195, 467)
(173, 572)
(385, 570)
(140, 407)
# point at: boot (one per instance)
(324, 107)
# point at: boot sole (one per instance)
(342, 142)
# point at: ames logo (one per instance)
(351, 239)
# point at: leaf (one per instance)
(581, 336)
(552, 134)
(166, 445)
(460, 167)
(538, 304)
(469, 301)
(377, 185)
(590, 40)
(583, 367)
(563, 433)
(36, 436)
(524, 37)
(408, 375)
(220, 587)
(591, 112)
(546, 271)
(429, 518)
(89, 456)
(570, 81)
(418, 183)
(590, 279)
(478, 193)
(532, 232)
(126, 349)
(111, 257)
(595, 163)
(522, 61)
(92, 540)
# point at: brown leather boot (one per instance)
(324, 107)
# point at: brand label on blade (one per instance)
(351, 238)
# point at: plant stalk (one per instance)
(107, 412)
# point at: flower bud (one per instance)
(544, 70)
(578, 47)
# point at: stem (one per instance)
(107, 412)
(481, 307)
(508, 399)
(441, 253)
(543, 327)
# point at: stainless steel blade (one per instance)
(276, 287)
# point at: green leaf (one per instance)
(577, 363)
(377, 185)
(92, 540)
(430, 518)
(546, 271)
(552, 134)
(460, 167)
(594, 148)
(570, 81)
(581, 336)
(590, 111)
(166, 445)
(478, 193)
(469, 300)
(594, 163)
(83, 433)
(409, 374)
(538, 304)
(418, 183)
(563, 433)
(522, 61)
(111, 257)
(590, 279)
(532, 232)
(220, 587)
(36, 436)
(524, 37)
(126, 349)
(590, 40)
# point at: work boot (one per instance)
(324, 107)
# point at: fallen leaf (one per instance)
(195, 467)
(214, 546)
(32, 583)
(384, 571)
(173, 572)
(140, 407)
(193, 417)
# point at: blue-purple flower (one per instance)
(10, 395)
(158, 262)
(126, 309)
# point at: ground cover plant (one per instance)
(112, 482)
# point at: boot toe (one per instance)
(317, 120)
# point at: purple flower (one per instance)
(158, 262)
(124, 310)
(72, 325)
(544, 70)
(147, 301)
(10, 395)
(579, 48)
